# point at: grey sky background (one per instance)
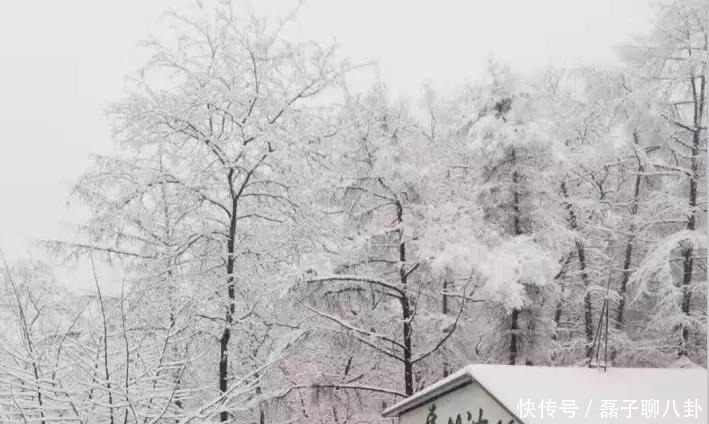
(63, 62)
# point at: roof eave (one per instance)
(417, 399)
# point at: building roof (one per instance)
(585, 386)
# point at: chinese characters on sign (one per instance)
(609, 408)
(470, 418)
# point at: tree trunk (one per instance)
(517, 230)
(259, 392)
(169, 264)
(444, 310)
(229, 315)
(557, 314)
(559, 304)
(688, 262)
(629, 244)
(405, 307)
(514, 327)
(581, 254)
(627, 260)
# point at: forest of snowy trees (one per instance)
(292, 250)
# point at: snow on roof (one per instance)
(585, 386)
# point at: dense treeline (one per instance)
(295, 251)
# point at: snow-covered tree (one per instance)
(208, 191)
(671, 64)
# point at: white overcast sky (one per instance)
(62, 62)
